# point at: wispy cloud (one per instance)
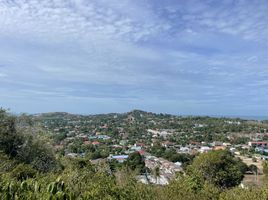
(173, 56)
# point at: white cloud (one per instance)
(73, 19)
(190, 51)
(247, 19)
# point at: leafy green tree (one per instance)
(24, 147)
(10, 140)
(217, 167)
(136, 162)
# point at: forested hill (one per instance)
(136, 123)
(143, 115)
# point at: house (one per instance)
(179, 164)
(258, 144)
(135, 148)
(102, 137)
(221, 147)
(232, 149)
(119, 158)
(216, 143)
(167, 144)
(96, 143)
(72, 155)
(116, 146)
(105, 126)
(87, 142)
(205, 149)
(140, 144)
(261, 149)
(227, 144)
(141, 152)
(194, 143)
(184, 150)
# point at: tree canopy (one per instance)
(219, 168)
(24, 147)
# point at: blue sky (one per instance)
(96, 56)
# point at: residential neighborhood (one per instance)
(169, 149)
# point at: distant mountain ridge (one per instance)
(139, 113)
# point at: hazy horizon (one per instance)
(101, 56)
(245, 117)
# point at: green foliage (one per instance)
(217, 167)
(10, 140)
(22, 172)
(136, 162)
(171, 155)
(245, 194)
(29, 169)
(265, 167)
(190, 188)
(59, 137)
(24, 147)
(83, 182)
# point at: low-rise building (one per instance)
(204, 149)
(221, 147)
(255, 144)
(119, 158)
